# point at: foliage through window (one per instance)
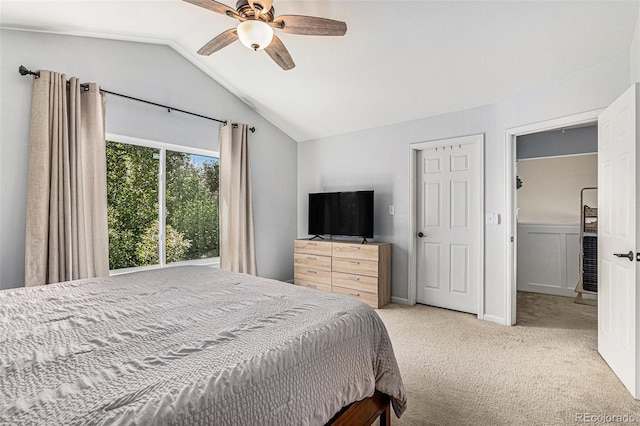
(187, 199)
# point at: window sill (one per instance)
(213, 262)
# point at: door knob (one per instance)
(420, 234)
(627, 255)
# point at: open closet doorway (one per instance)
(556, 218)
(511, 196)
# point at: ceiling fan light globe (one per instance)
(256, 35)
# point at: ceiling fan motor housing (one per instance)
(256, 12)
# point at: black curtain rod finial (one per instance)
(25, 71)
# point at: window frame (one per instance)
(162, 250)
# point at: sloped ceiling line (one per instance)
(399, 61)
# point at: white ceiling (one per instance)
(399, 61)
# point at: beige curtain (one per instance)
(237, 247)
(67, 236)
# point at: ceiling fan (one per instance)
(256, 28)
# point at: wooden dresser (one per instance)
(358, 270)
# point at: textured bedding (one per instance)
(188, 345)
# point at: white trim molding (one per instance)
(400, 301)
(493, 318)
(212, 262)
(114, 137)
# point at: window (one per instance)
(162, 204)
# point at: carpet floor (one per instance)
(546, 370)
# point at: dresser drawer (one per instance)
(355, 282)
(310, 274)
(356, 251)
(312, 247)
(369, 298)
(322, 263)
(316, 286)
(354, 266)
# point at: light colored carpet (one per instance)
(544, 371)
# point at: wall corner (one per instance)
(634, 54)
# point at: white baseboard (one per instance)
(493, 318)
(544, 289)
(554, 291)
(289, 281)
(588, 296)
(400, 300)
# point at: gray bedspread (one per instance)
(188, 345)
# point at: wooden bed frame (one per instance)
(365, 412)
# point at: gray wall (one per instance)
(583, 140)
(634, 53)
(147, 71)
(379, 158)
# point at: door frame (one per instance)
(413, 219)
(510, 201)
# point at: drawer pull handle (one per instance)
(354, 294)
(354, 263)
(312, 285)
(355, 248)
(311, 258)
(309, 271)
(354, 279)
(313, 244)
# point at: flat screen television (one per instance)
(341, 213)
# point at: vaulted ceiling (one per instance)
(399, 61)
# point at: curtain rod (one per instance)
(25, 71)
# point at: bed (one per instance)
(191, 345)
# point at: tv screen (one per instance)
(341, 213)
(320, 213)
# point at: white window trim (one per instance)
(213, 262)
(163, 147)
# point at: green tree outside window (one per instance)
(191, 207)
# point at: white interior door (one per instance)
(449, 182)
(618, 236)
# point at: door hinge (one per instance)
(512, 238)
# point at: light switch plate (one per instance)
(392, 210)
(492, 218)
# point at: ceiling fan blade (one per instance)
(220, 41)
(214, 6)
(309, 25)
(280, 54)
